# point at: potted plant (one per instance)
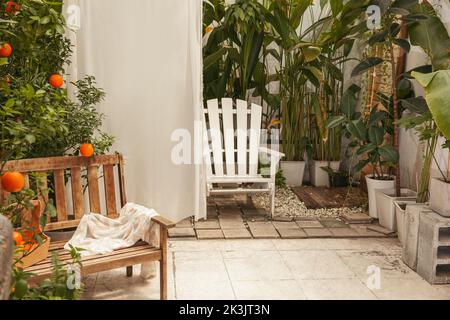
(337, 178)
(367, 134)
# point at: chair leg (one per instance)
(272, 202)
(129, 271)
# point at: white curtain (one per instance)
(147, 56)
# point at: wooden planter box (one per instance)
(37, 253)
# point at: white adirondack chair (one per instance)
(232, 150)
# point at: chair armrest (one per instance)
(271, 152)
(163, 222)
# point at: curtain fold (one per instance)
(147, 56)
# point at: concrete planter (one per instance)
(293, 171)
(440, 196)
(372, 186)
(400, 216)
(318, 176)
(413, 212)
(386, 207)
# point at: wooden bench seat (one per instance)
(83, 176)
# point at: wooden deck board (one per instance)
(321, 197)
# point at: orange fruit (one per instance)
(12, 7)
(5, 50)
(87, 149)
(17, 237)
(13, 181)
(56, 80)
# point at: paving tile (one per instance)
(380, 229)
(283, 218)
(356, 217)
(211, 211)
(285, 225)
(185, 223)
(364, 232)
(333, 223)
(231, 211)
(260, 224)
(226, 224)
(204, 234)
(268, 290)
(309, 224)
(241, 233)
(260, 230)
(336, 289)
(254, 212)
(305, 219)
(181, 232)
(255, 218)
(292, 233)
(344, 232)
(318, 232)
(207, 224)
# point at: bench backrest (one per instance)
(83, 175)
(232, 137)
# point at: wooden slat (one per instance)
(53, 163)
(163, 221)
(27, 180)
(94, 192)
(51, 226)
(255, 133)
(216, 135)
(110, 189)
(241, 131)
(3, 195)
(60, 195)
(228, 133)
(163, 263)
(77, 192)
(123, 196)
(206, 150)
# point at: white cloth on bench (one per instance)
(98, 234)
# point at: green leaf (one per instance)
(366, 149)
(311, 53)
(335, 121)
(360, 165)
(336, 7)
(389, 153)
(437, 96)
(357, 129)
(404, 44)
(416, 104)
(378, 37)
(44, 20)
(405, 4)
(213, 58)
(376, 135)
(366, 65)
(432, 36)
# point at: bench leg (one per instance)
(129, 271)
(163, 264)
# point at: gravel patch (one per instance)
(288, 204)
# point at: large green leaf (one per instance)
(432, 36)
(357, 129)
(366, 65)
(335, 121)
(437, 95)
(389, 153)
(213, 58)
(376, 135)
(366, 149)
(416, 104)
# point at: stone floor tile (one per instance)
(241, 233)
(268, 290)
(263, 230)
(356, 218)
(254, 212)
(380, 229)
(318, 232)
(185, 223)
(411, 289)
(181, 232)
(292, 233)
(333, 223)
(364, 232)
(283, 218)
(309, 224)
(207, 224)
(336, 289)
(206, 234)
(316, 264)
(285, 225)
(343, 232)
(231, 223)
(202, 290)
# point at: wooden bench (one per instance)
(91, 169)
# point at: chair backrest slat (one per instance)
(242, 116)
(60, 194)
(77, 192)
(216, 135)
(110, 190)
(255, 133)
(228, 134)
(94, 191)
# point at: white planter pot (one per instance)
(318, 176)
(293, 171)
(400, 216)
(386, 208)
(372, 186)
(440, 196)
(412, 216)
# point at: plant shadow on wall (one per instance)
(38, 119)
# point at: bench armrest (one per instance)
(163, 222)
